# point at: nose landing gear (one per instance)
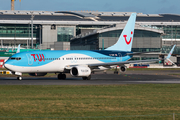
(19, 78)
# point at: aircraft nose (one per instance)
(6, 65)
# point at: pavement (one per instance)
(100, 78)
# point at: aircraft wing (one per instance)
(135, 61)
(112, 63)
(123, 62)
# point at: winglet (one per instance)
(18, 49)
(170, 53)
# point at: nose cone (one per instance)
(7, 65)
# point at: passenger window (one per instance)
(18, 58)
(12, 58)
(15, 58)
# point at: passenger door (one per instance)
(30, 59)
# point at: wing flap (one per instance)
(122, 63)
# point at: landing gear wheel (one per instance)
(86, 78)
(115, 72)
(61, 76)
(19, 78)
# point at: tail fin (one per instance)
(125, 40)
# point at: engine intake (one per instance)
(80, 71)
(123, 68)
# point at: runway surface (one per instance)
(130, 77)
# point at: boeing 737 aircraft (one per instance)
(79, 63)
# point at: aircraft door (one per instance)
(73, 59)
(30, 59)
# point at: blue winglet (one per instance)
(170, 53)
(18, 49)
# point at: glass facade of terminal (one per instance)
(170, 37)
(79, 28)
(64, 34)
(137, 33)
(8, 30)
(18, 33)
(170, 32)
(94, 42)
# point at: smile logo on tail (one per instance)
(125, 37)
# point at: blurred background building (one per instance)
(87, 30)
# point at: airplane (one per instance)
(79, 63)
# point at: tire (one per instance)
(115, 72)
(19, 78)
(61, 76)
(87, 78)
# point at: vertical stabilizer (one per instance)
(125, 40)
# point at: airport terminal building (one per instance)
(90, 30)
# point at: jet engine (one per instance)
(37, 74)
(80, 71)
(123, 68)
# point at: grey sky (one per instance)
(140, 6)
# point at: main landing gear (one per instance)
(19, 77)
(61, 76)
(86, 78)
(116, 71)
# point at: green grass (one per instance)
(90, 102)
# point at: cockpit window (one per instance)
(15, 58)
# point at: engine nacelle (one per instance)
(80, 71)
(37, 74)
(122, 68)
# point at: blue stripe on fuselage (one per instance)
(27, 58)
